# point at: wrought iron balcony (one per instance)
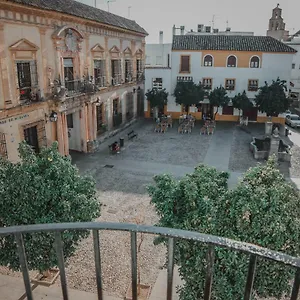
(100, 81)
(116, 79)
(76, 87)
(253, 251)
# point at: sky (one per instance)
(156, 15)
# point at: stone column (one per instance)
(94, 115)
(275, 140)
(268, 129)
(65, 134)
(60, 134)
(124, 104)
(6, 86)
(84, 127)
(45, 83)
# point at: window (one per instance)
(293, 66)
(3, 148)
(207, 83)
(231, 61)
(69, 74)
(139, 68)
(254, 62)
(70, 121)
(99, 117)
(230, 84)
(157, 83)
(158, 60)
(208, 61)
(116, 71)
(99, 73)
(185, 78)
(27, 78)
(128, 70)
(31, 137)
(185, 64)
(252, 85)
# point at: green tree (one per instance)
(218, 97)
(272, 99)
(241, 102)
(263, 209)
(43, 188)
(157, 98)
(188, 93)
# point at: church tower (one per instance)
(277, 26)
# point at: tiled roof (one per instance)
(229, 42)
(81, 10)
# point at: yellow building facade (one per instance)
(66, 75)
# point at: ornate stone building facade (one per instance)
(68, 73)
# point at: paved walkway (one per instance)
(12, 288)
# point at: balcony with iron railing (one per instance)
(116, 79)
(100, 81)
(254, 252)
(30, 94)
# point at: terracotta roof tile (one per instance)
(229, 42)
(81, 10)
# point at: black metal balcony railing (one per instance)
(75, 87)
(172, 234)
(100, 81)
(116, 79)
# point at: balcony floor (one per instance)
(12, 288)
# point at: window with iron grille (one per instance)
(139, 68)
(99, 114)
(185, 64)
(3, 147)
(208, 61)
(100, 72)
(157, 83)
(207, 83)
(185, 78)
(69, 74)
(230, 84)
(253, 85)
(254, 62)
(31, 137)
(27, 78)
(231, 61)
(116, 71)
(128, 70)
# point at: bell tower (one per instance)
(277, 26)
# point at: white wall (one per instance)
(273, 66)
(157, 55)
(295, 73)
(165, 74)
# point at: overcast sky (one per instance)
(156, 15)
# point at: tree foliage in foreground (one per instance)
(188, 93)
(241, 102)
(218, 98)
(263, 209)
(272, 99)
(157, 98)
(43, 188)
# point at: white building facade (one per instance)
(239, 63)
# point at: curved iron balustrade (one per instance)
(253, 250)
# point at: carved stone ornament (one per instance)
(71, 41)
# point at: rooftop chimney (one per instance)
(181, 30)
(174, 30)
(161, 37)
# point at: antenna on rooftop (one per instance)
(108, 1)
(129, 8)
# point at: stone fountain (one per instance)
(270, 144)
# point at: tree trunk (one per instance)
(216, 113)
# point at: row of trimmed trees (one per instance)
(271, 99)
